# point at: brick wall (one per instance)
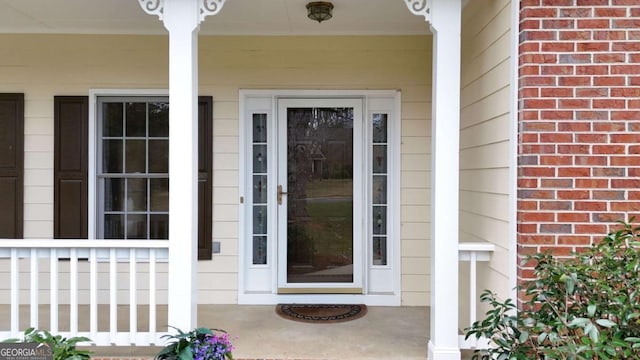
(579, 122)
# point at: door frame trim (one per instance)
(268, 294)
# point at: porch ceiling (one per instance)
(238, 17)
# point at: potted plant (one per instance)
(197, 344)
(61, 348)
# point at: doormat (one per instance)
(321, 313)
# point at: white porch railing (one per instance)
(93, 268)
(102, 266)
(474, 252)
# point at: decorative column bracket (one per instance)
(207, 8)
(420, 8)
(153, 7)
(210, 7)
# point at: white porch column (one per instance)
(445, 20)
(182, 18)
(445, 152)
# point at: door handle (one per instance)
(280, 193)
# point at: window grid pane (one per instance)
(159, 117)
(379, 189)
(112, 123)
(260, 215)
(112, 159)
(134, 173)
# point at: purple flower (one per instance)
(215, 346)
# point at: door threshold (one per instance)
(320, 291)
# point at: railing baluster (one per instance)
(93, 295)
(15, 293)
(34, 289)
(113, 300)
(133, 303)
(73, 291)
(152, 296)
(473, 252)
(473, 278)
(53, 291)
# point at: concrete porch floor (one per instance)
(259, 333)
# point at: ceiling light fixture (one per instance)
(320, 11)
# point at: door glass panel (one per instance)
(320, 195)
(259, 128)
(260, 219)
(379, 220)
(259, 158)
(259, 189)
(380, 128)
(379, 250)
(379, 189)
(379, 159)
(259, 250)
(259, 184)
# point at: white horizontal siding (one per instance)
(43, 66)
(485, 139)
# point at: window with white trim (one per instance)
(133, 167)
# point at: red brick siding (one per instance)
(579, 122)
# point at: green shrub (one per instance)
(584, 307)
(62, 348)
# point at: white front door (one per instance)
(319, 196)
(319, 180)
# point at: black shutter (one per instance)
(71, 118)
(11, 165)
(205, 152)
